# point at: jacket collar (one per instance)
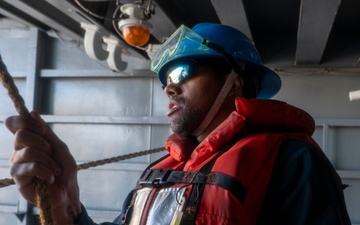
(251, 116)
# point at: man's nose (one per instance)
(172, 89)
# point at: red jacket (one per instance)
(264, 125)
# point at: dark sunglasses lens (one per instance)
(178, 74)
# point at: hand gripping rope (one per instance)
(42, 198)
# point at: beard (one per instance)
(187, 119)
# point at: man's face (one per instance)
(190, 100)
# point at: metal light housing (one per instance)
(134, 27)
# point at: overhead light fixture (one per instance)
(130, 21)
(133, 24)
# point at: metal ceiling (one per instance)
(295, 34)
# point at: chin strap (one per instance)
(216, 105)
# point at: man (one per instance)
(252, 162)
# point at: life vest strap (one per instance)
(165, 178)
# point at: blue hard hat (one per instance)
(234, 42)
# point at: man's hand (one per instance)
(39, 153)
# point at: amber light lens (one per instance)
(136, 35)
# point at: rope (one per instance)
(7, 181)
(118, 158)
(41, 189)
(13, 92)
(42, 198)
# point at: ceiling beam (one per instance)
(232, 13)
(163, 26)
(45, 13)
(172, 13)
(315, 24)
(16, 15)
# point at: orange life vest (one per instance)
(234, 186)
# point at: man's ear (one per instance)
(236, 89)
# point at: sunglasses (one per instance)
(184, 69)
(180, 72)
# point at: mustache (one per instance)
(179, 100)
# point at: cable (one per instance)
(94, 14)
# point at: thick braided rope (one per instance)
(13, 92)
(41, 190)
